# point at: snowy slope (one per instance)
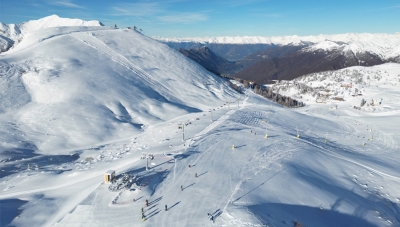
(324, 178)
(79, 101)
(386, 46)
(11, 33)
(351, 84)
(67, 87)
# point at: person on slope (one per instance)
(147, 202)
(166, 208)
(210, 217)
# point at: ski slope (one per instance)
(79, 101)
(52, 78)
(272, 181)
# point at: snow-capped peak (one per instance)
(384, 45)
(284, 40)
(325, 45)
(55, 21)
(15, 32)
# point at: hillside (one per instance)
(61, 79)
(12, 34)
(230, 52)
(77, 102)
(363, 84)
(269, 53)
(305, 61)
(323, 178)
(210, 61)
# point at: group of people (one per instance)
(210, 216)
(147, 204)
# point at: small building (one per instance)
(347, 85)
(109, 176)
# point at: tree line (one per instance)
(267, 93)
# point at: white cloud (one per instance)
(184, 18)
(66, 3)
(138, 9)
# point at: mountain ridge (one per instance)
(67, 77)
(12, 34)
(386, 46)
(283, 40)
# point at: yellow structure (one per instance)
(233, 147)
(266, 135)
(298, 135)
(363, 144)
(109, 176)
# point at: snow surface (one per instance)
(62, 79)
(384, 45)
(77, 102)
(16, 32)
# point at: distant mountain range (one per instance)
(306, 60)
(288, 57)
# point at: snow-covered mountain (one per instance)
(14, 33)
(77, 102)
(386, 46)
(59, 79)
(346, 84)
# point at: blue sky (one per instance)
(193, 18)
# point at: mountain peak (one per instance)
(12, 33)
(55, 21)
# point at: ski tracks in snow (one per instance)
(330, 153)
(97, 44)
(210, 127)
(213, 125)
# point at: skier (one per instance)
(210, 217)
(189, 166)
(181, 187)
(143, 217)
(166, 208)
(195, 175)
(147, 202)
